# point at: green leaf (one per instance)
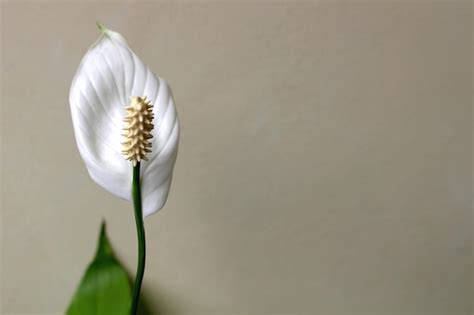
(105, 287)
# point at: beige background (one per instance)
(324, 165)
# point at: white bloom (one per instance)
(108, 76)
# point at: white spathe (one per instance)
(109, 74)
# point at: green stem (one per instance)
(137, 204)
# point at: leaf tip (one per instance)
(103, 247)
(103, 229)
(111, 34)
(101, 27)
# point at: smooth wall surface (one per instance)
(325, 164)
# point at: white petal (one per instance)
(109, 74)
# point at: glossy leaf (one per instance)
(105, 288)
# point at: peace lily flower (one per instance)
(126, 129)
(109, 75)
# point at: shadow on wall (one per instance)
(153, 303)
(144, 306)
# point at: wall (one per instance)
(324, 164)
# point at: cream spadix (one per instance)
(112, 86)
(137, 130)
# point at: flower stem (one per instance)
(137, 204)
